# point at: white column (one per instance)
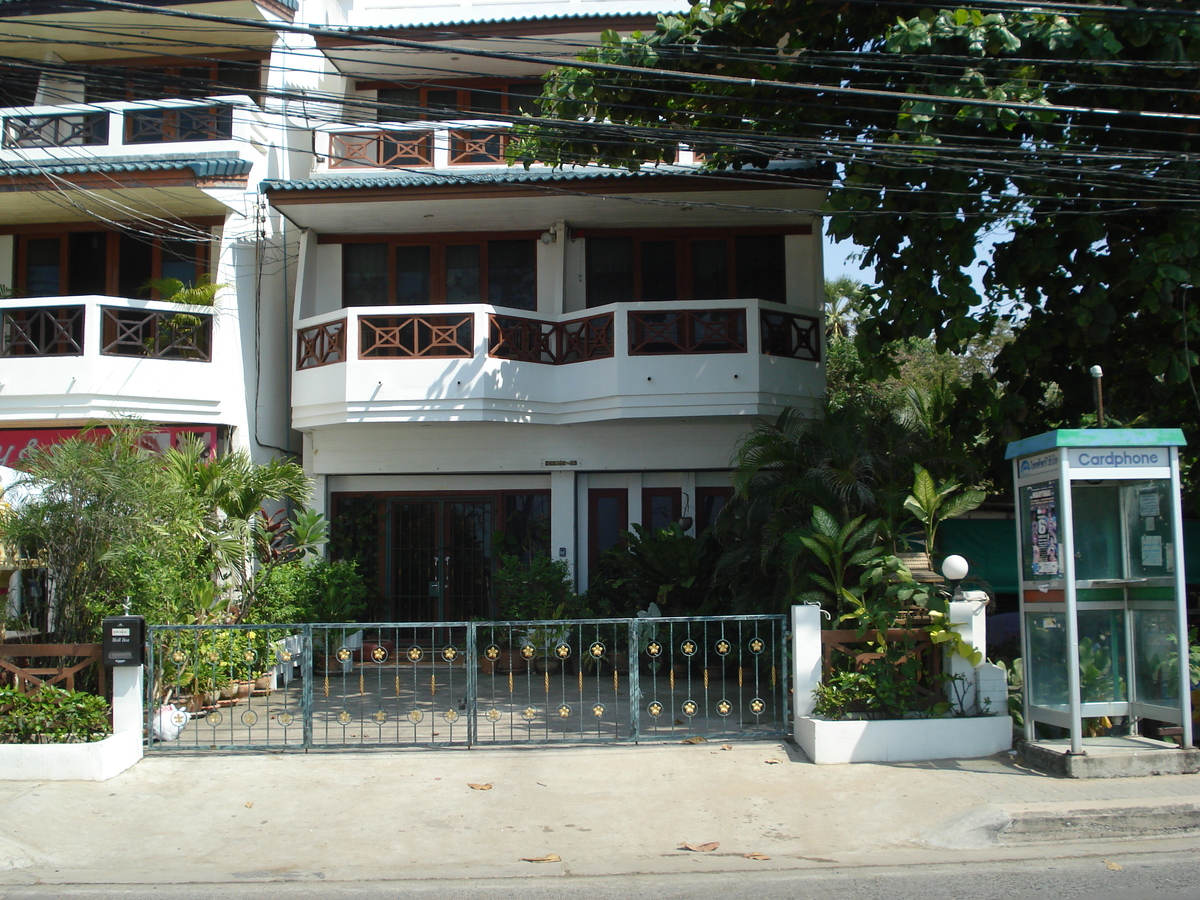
(127, 691)
(968, 615)
(806, 656)
(563, 519)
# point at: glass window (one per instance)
(179, 261)
(43, 265)
(512, 274)
(486, 104)
(523, 99)
(87, 254)
(760, 268)
(462, 273)
(135, 265)
(364, 274)
(710, 270)
(609, 270)
(658, 270)
(399, 104)
(412, 275)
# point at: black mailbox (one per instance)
(124, 641)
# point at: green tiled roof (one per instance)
(472, 17)
(203, 168)
(516, 175)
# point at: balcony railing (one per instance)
(119, 124)
(417, 337)
(659, 332)
(42, 331)
(443, 144)
(552, 343)
(156, 334)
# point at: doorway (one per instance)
(439, 560)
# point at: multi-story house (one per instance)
(471, 357)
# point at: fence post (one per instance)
(806, 657)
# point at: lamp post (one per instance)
(1098, 376)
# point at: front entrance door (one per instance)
(440, 559)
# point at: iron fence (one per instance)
(314, 686)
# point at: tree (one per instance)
(1071, 137)
(843, 305)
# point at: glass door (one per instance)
(440, 559)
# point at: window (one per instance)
(500, 272)
(661, 507)
(608, 516)
(656, 268)
(709, 503)
(479, 100)
(108, 263)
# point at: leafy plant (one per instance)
(52, 715)
(203, 293)
(932, 503)
(320, 591)
(668, 567)
(842, 550)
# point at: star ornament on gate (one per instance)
(562, 651)
(492, 652)
(654, 648)
(757, 645)
(415, 654)
(449, 653)
(379, 654)
(723, 647)
(689, 648)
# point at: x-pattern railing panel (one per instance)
(477, 147)
(159, 335)
(551, 343)
(446, 335)
(792, 335)
(687, 331)
(53, 331)
(187, 124)
(381, 148)
(321, 345)
(64, 130)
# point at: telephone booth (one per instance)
(1103, 615)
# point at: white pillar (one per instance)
(968, 615)
(127, 699)
(563, 520)
(806, 656)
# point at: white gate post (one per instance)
(806, 656)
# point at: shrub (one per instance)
(51, 715)
(319, 591)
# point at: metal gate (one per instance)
(314, 686)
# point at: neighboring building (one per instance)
(470, 357)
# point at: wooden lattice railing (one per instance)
(687, 331)
(791, 335)
(321, 345)
(381, 148)
(185, 124)
(157, 334)
(477, 147)
(415, 337)
(551, 343)
(42, 331)
(27, 678)
(61, 130)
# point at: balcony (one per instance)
(440, 145)
(75, 358)
(482, 363)
(112, 129)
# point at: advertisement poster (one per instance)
(1044, 514)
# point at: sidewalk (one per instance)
(178, 818)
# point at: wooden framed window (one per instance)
(502, 272)
(476, 99)
(709, 503)
(108, 263)
(660, 507)
(704, 266)
(608, 516)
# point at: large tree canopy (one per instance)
(1069, 137)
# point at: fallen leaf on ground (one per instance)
(755, 856)
(698, 739)
(701, 848)
(249, 804)
(679, 721)
(549, 857)
(727, 746)
(772, 761)
(1116, 867)
(479, 787)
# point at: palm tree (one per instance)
(233, 529)
(844, 305)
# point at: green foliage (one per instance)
(52, 715)
(203, 293)
(667, 567)
(842, 552)
(320, 591)
(932, 503)
(1086, 259)
(540, 589)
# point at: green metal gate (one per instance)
(315, 686)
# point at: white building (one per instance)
(463, 352)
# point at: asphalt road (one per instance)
(1116, 872)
